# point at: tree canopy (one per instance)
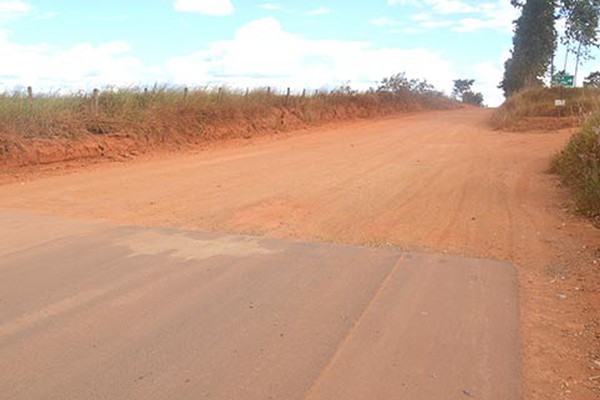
(462, 91)
(592, 80)
(581, 23)
(534, 44)
(399, 84)
(535, 38)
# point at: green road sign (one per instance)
(563, 80)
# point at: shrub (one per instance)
(579, 167)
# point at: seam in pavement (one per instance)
(310, 394)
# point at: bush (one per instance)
(579, 167)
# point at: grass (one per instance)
(163, 113)
(579, 167)
(535, 108)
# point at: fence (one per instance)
(95, 95)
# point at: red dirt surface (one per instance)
(443, 182)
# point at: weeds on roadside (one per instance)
(540, 103)
(162, 113)
(579, 167)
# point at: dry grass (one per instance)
(579, 167)
(162, 112)
(535, 109)
(134, 120)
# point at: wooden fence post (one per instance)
(268, 90)
(185, 93)
(303, 92)
(95, 102)
(287, 96)
(30, 97)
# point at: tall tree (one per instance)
(534, 44)
(581, 24)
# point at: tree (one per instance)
(581, 24)
(534, 44)
(534, 41)
(422, 86)
(592, 80)
(475, 99)
(397, 84)
(462, 91)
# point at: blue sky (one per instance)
(72, 45)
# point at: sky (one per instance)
(67, 45)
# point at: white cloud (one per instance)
(78, 67)
(404, 2)
(263, 54)
(270, 6)
(385, 21)
(436, 24)
(13, 9)
(207, 7)
(487, 76)
(319, 11)
(409, 30)
(493, 15)
(14, 6)
(470, 16)
(441, 6)
(452, 6)
(421, 17)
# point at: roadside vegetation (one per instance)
(463, 92)
(535, 108)
(176, 115)
(579, 167)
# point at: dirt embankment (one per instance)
(129, 123)
(536, 110)
(122, 145)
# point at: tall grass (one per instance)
(521, 111)
(579, 167)
(163, 112)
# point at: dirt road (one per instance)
(441, 182)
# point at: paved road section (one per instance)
(102, 311)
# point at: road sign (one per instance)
(563, 80)
(560, 102)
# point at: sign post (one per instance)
(563, 80)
